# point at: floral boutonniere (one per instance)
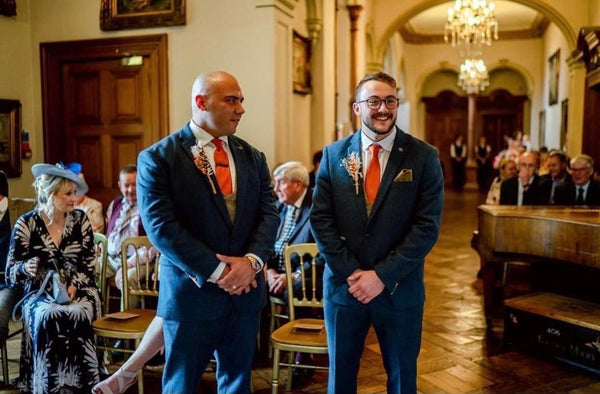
(201, 161)
(352, 164)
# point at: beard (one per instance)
(368, 121)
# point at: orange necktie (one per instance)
(222, 168)
(373, 173)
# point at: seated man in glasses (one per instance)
(583, 190)
(527, 188)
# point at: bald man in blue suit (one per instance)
(374, 240)
(214, 237)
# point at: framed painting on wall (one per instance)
(134, 14)
(554, 73)
(542, 131)
(10, 137)
(564, 119)
(301, 77)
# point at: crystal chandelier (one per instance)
(471, 22)
(473, 76)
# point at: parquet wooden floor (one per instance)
(458, 354)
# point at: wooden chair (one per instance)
(299, 335)
(277, 316)
(101, 249)
(117, 327)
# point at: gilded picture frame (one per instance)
(10, 137)
(542, 129)
(564, 121)
(301, 76)
(136, 14)
(553, 75)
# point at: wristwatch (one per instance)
(254, 263)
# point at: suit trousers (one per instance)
(190, 345)
(399, 335)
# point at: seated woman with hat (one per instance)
(58, 352)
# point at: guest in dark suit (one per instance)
(295, 200)
(458, 154)
(527, 188)
(583, 190)
(8, 296)
(557, 165)
(374, 236)
(207, 204)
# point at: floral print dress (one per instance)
(58, 348)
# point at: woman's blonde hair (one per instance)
(46, 187)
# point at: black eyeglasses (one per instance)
(375, 102)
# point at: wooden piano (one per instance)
(533, 234)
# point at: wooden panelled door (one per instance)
(446, 116)
(107, 107)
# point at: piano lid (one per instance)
(569, 234)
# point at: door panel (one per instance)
(103, 112)
(446, 116)
(106, 114)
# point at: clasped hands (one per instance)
(238, 276)
(364, 285)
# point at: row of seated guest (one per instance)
(58, 352)
(561, 186)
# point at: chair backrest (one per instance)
(101, 249)
(309, 293)
(18, 206)
(144, 254)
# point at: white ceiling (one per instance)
(511, 17)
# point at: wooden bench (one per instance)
(563, 328)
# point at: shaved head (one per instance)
(217, 103)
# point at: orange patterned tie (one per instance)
(373, 173)
(222, 168)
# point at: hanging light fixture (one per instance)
(472, 23)
(473, 76)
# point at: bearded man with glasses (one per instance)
(376, 214)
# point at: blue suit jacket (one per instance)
(402, 228)
(189, 224)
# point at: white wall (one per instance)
(16, 82)
(232, 35)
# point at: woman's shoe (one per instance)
(117, 383)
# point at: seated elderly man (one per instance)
(294, 202)
(124, 222)
(583, 190)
